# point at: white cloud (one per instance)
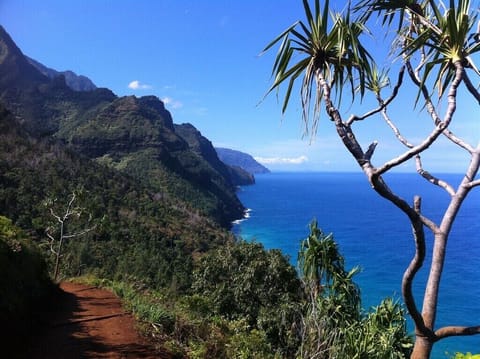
(173, 104)
(282, 160)
(137, 85)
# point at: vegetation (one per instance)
(467, 356)
(333, 324)
(248, 302)
(436, 44)
(203, 294)
(24, 280)
(24, 283)
(134, 135)
(61, 234)
(137, 137)
(243, 282)
(134, 226)
(208, 322)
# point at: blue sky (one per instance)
(201, 58)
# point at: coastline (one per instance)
(246, 215)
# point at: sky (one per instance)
(202, 58)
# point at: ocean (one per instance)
(373, 234)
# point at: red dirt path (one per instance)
(90, 323)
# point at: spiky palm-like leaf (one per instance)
(376, 80)
(329, 48)
(319, 257)
(447, 39)
(442, 38)
(389, 9)
(322, 264)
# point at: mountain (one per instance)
(204, 147)
(241, 159)
(135, 136)
(157, 192)
(74, 81)
(140, 233)
(15, 70)
(240, 177)
(152, 204)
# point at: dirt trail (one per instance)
(90, 323)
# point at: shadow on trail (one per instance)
(60, 332)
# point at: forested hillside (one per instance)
(153, 204)
(153, 201)
(130, 218)
(133, 135)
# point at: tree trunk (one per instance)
(422, 348)
(57, 261)
(59, 251)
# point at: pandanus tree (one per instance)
(333, 323)
(323, 268)
(329, 287)
(434, 45)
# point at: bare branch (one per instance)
(415, 77)
(370, 150)
(49, 235)
(52, 249)
(383, 104)
(471, 88)
(469, 181)
(412, 269)
(440, 126)
(78, 234)
(452, 331)
(395, 129)
(432, 179)
(423, 60)
(414, 150)
(343, 130)
(69, 211)
(379, 185)
(57, 217)
(425, 22)
(458, 141)
(52, 240)
(431, 108)
(474, 183)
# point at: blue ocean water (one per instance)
(374, 235)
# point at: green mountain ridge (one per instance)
(241, 159)
(133, 135)
(74, 81)
(131, 217)
(157, 199)
(201, 145)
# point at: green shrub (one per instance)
(466, 356)
(24, 282)
(248, 343)
(24, 288)
(145, 306)
(243, 281)
(333, 324)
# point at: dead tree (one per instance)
(59, 233)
